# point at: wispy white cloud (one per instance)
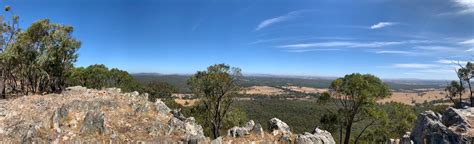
(467, 42)
(382, 25)
(426, 50)
(341, 44)
(309, 50)
(414, 65)
(442, 68)
(435, 71)
(436, 48)
(466, 5)
(272, 21)
(299, 38)
(447, 61)
(395, 52)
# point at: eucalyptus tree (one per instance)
(356, 96)
(469, 74)
(38, 59)
(8, 31)
(452, 90)
(216, 87)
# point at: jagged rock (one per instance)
(429, 129)
(94, 122)
(189, 131)
(58, 115)
(134, 94)
(258, 130)
(81, 115)
(155, 129)
(276, 126)
(141, 107)
(249, 125)
(237, 132)
(285, 139)
(453, 117)
(177, 114)
(218, 140)
(406, 139)
(241, 131)
(161, 107)
(317, 137)
(393, 141)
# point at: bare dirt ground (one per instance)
(412, 98)
(306, 89)
(186, 102)
(263, 90)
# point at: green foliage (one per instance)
(324, 97)
(38, 59)
(303, 116)
(180, 81)
(438, 108)
(330, 122)
(159, 90)
(99, 76)
(216, 87)
(356, 95)
(300, 115)
(235, 117)
(398, 120)
(452, 90)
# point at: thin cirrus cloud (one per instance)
(340, 44)
(382, 25)
(467, 42)
(447, 61)
(310, 50)
(436, 48)
(414, 65)
(395, 52)
(426, 50)
(466, 5)
(275, 20)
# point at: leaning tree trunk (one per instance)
(340, 134)
(470, 93)
(347, 137)
(460, 94)
(3, 84)
(4, 95)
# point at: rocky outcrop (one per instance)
(81, 115)
(279, 133)
(278, 127)
(86, 115)
(318, 136)
(451, 127)
(94, 123)
(406, 139)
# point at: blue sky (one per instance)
(388, 38)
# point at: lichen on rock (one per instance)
(88, 115)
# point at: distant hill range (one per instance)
(180, 81)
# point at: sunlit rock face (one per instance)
(86, 115)
(277, 132)
(453, 126)
(81, 115)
